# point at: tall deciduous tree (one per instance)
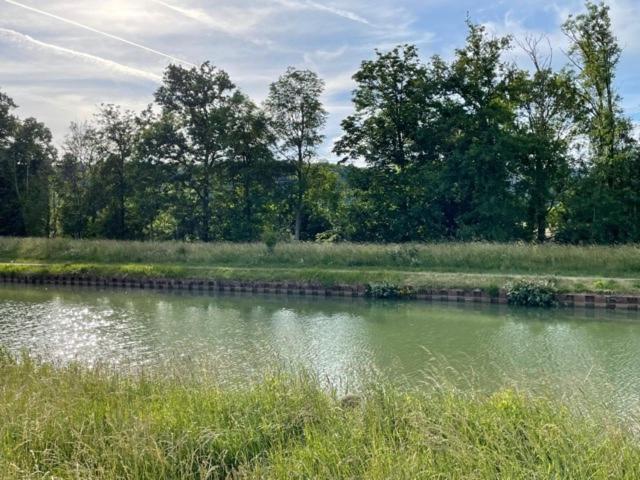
(595, 54)
(8, 204)
(297, 115)
(26, 157)
(116, 133)
(478, 110)
(390, 105)
(392, 130)
(199, 107)
(602, 206)
(251, 168)
(74, 177)
(547, 113)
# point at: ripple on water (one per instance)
(236, 338)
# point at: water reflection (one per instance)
(589, 353)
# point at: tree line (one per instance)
(474, 148)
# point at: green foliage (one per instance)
(271, 237)
(388, 291)
(297, 116)
(471, 148)
(532, 293)
(26, 159)
(493, 290)
(607, 285)
(199, 110)
(602, 204)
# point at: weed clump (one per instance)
(389, 291)
(532, 293)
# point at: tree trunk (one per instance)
(542, 227)
(121, 211)
(205, 198)
(298, 222)
(300, 194)
(121, 197)
(206, 213)
(248, 211)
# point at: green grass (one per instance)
(70, 422)
(325, 277)
(602, 261)
(446, 265)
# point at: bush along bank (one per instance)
(389, 291)
(532, 293)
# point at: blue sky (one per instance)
(59, 59)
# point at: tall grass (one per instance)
(604, 261)
(70, 422)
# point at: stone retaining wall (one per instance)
(593, 301)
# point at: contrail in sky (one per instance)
(339, 12)
(111, 65)
(227, 26)
(197, 15)
(311, 4)
(99, 32)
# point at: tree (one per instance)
(478, 111)
(547, 112)
(115, 135)
(390, 104)
(73, 177)
(26, 157)
(251, 169)
(595, 53)
(7, 120)
(393, 131)
(602, 205)
(9, 223)
(297, 115)
(199, 106)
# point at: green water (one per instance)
(579, 355)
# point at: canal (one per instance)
(578, 355)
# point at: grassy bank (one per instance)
(68, 422)
(447, 265)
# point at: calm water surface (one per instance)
(580, 355)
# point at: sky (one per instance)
(60, 59)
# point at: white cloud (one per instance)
(625, 16)
(340, 82)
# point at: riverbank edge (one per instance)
(626, 302)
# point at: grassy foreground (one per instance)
(446, 265)
(70, 422)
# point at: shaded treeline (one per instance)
(475, 148)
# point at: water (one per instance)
(582, 356)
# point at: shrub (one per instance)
(493, 290)
(405, 255)
(605, 285)
(532, 293)
(388, 291)
(270, 237)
